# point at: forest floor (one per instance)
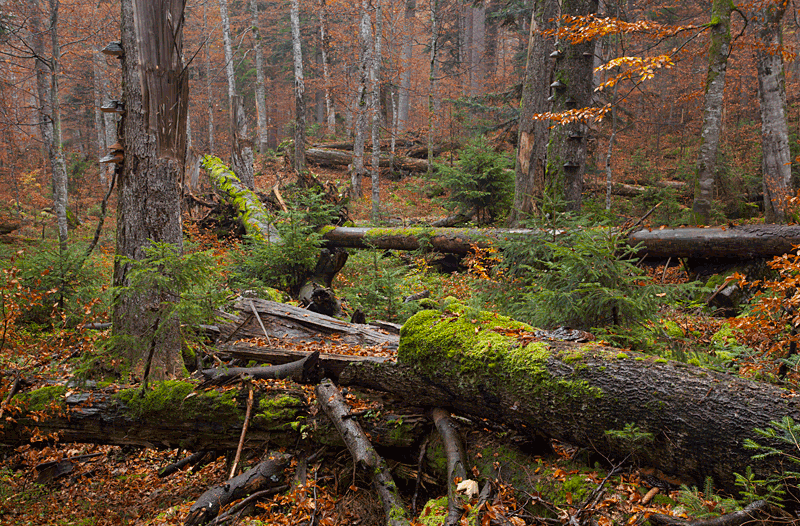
(110, 485)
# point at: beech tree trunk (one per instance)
(775, 154)
(432, 81)
(364, 61)
(375, 105)
(209, 95)
(299, 91)
(403, 95)
(241, 151)
(148, 195)
(49, 118)
(330, 114)
(718, 51)
(261, 89)
(531, 163)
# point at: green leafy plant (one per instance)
(479, 182)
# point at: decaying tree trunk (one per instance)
(328, 157)
(264, 475)
(364, 455)
(491, 367)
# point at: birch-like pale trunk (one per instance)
(775, 153)
(299, 91)
(432, 81)
(404, 98)
(47, 71)
(330, 114)
(365, 41)
(718, 50)
(209, 95)
(241, 151)
(261, 88)
(99, 121)
(375, 106)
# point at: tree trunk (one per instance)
(375, 87)
(488, 366)
(403, 102)
(261, 90)
(365, 43)
(572, 88)
(209, 95)
(148, 195)
(241, 151)
(718, 51)
(477, 51)
(49, 117)
(775, 155)
(531, 163)
(326, 74)
(432, 81)
(299, 91)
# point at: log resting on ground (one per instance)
(491, 367)
(304, 370)
(747, 241)
(263, 475)
(364, 455)
(340, 158)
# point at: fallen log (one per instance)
(338, 158)
(738, 242)
(364, 455)
(456, 463)
(264, 475)
(304, 370)
(491, 367)
(631, 190)
(248, 206)
(290, 322)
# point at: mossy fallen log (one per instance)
(248, 206)
(488, 366)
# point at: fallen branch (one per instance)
(301, 371)
(364, 455)
(263, 476)
(192, 459)
(759, 511)
(456, 470)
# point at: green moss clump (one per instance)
(172, 396)
(476, 348)
(428, 304)
(434, 513)
(43, 398)
(673, 330)
(725, 337)
(278, 412)
(622, 356)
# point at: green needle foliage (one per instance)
(480, 182)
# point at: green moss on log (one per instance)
(482, 347)
(44, 398)
(173, 396)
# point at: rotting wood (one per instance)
(456, 465)
(304, 370)
(264, 475)
(758, 512)
(364, 455)
(576, 392)
(289, 322)
(338, 158)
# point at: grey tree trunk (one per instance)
(209, 95)
(299, 91)
(531, 163)
(566, 152)
(49, 118)
(718, 51)
(99, 120)
(364, 61)
(148, 195)
(775, 154)
(403, 95)
(330, 114)
(241, 151)
(477, 51)
(375, 80)
(261, 89)
(432, 81)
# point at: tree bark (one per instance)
(148, 195)
(363, 453)
(210, 101)
(775, 154)
(325, 157)
(299, 91)
(404, 99)
(432, 80)
(531, 162)
(364, 59)
(241, 151)
(261, 90)
(566, 150)
(718, 51)
(488, 366)
(326, 74)
(375, 105)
